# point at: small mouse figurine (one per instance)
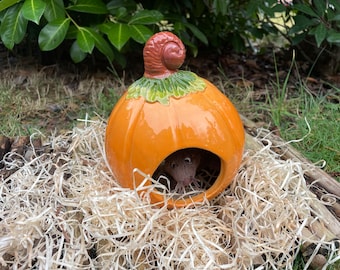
(182, 167)
(188, 167)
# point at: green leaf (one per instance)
(32, 10)
(191, 45)
(13, 27)
(298, 38)
(301, 23)
(115, 6)
(72, 32)
(89, 6)
(197, 33)
(278, 8)
(146, 17)
(140, 33)
(118, 35)
(53, 34)
(102, 45)
(305, 9)
(320, 7)
(220, 7)
(320, 34)
(334, 37)
(237, 43)
(105, 27)
(335, 3)
(77, 55)
(270, 8)
(85, 39)
(120, 58)
(336, 18)
(4, 4)
(54, 10)
(121, 13)
(257, 32)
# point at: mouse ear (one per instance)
(162, 163)
(188, 160)
(173, 164)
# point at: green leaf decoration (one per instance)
(32, 10)
(77, 55)
(53, 34)
(177, 85)
(89, 6)
(85, 39)
(118, 35)
(54, 10)
(320, 33)
(145, 16)
(13, 27)
(140, 33)
(7, 3)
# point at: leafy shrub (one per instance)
(89, 23)
(104, 25)
(109, 26)
(114, 26)
(320, 19)
(313, 27)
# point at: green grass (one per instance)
(311, 119)
(318, 123)
(307, 114)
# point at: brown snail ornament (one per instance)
(167, 118)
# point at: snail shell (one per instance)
(163, 54)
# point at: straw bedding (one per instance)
(63, 209)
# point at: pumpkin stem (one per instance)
(163, 54)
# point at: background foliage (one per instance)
(116, 27)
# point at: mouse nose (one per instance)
(188, 180)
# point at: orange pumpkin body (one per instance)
(141, 135)
(169, 110)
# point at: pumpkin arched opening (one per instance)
(188, 172)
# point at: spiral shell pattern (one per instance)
(163, 54)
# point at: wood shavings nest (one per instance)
(63, 209)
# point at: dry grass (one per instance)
(64, 209)
(50, 99)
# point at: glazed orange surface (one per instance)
(141, 135)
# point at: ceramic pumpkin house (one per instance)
(168, 115)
